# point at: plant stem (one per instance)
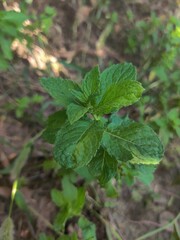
(151, 233)
(13, 193)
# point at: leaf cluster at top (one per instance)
(82, 137)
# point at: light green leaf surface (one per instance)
(58, 197)
(90, 84)
(14, 17)
(21, 160)
(68, 237)
(139, 140)
(79, 96)
(6, 48)
(117, 73)
(61, 218)
(145, 173)
(43, 236)
(77, 144)
(119, 95)
(60, 89)
(69, 190)
(75, 112)
(78, 204)
(103, 166)
(88, 229)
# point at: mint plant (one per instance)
(85, 138)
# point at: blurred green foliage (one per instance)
(156, 42)
(21, 105)
(11, 23)
(12, 28)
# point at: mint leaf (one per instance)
(86, 148)
(103, 166)
(89, 88)
(91, 82)
(76, 144)
(14, 17)
(60, 89)
(88, 228)
(119, 95)
(79, 96)
(75, 112)
(54, 123)
(114, 148)
(61, 218)
(66, 141)
(78, 204)
(137, 140)
(117, 73)
(58, 197)
(69, 190)
(68, 237)
(145, 173)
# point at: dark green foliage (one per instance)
(91, 140)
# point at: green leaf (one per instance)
(6, 48)
(117, 73)
(69, 190)
(103, 166)
(79, 96)
(68, 237)
(77, 144)
(61, 218)
(88, 229)
(89, 144)
(176, 232)
(43, 236)
(66, 141)
(75, 112)
(10, 30)
(3, 64)
(78, 204)
(135, 139)
(145, 173)
(58, 197)
(90, 84)
(111, 190)
(60, 89)
(83, 172)
(118, 95)
(20, 161)
(20, 201)
(14, 17)
(54, 123)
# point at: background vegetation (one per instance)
(67, 38)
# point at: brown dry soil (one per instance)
(75, 38)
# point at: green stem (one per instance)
(149, 234)
(13, 193)
(15, 183)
